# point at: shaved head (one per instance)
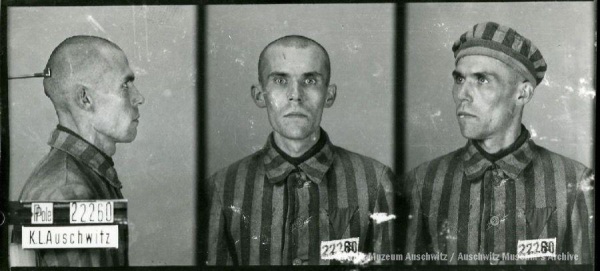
(294, 41)
(92, 90)
(78, 60)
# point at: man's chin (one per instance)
(128, 138)
(470, 134)
(299, 134)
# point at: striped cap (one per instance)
(505, 44)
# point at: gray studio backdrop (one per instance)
(560, 115)
(360, 42)
(157, 169)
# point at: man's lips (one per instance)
(462, 114)
(295, 115)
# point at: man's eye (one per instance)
(310, 81)
(280, 81)
(482, 80)
(459, 80)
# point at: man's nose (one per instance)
(463, 91)
(295, 92)
(136, 97)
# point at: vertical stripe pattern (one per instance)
(266, 211)
(463, 204)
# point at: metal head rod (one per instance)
(47, 73)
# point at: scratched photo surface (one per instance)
(360, 43)
(560, 116)
(157, 169)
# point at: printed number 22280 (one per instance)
(528, 249)
(336, 248)
(91, 212)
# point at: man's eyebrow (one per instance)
(279, 74)
(486, 74)
(312, 74)
(456, 73)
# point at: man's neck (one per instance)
(87, 132)
(296, 147)
(105, 144)
(496, 144)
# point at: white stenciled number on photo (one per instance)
(473, 69)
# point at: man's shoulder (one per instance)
(216, 182)
(342, 153)
(543, 153)
(57, 177)
(422, 168)
(364, 169)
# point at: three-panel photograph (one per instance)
(225, 134)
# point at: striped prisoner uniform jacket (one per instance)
(462, 204)
(74, 170)
(267, 211)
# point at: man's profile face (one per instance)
(295, 90)
(485, 95)
(116, 100)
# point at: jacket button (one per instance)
(297, 261)
(494, 221)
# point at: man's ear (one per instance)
(258, 95)
(330, 96)
(82, 98)
(525, 92)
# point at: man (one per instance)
(278, 205)
(492, 201)
(91, 88)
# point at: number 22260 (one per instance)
(91, 212)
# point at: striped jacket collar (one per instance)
(512, 164)
(86, 154)
(277, 168)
